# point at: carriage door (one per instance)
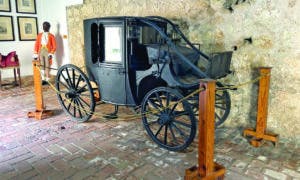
(112, 72)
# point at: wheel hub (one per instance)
(164, 118)
(71, 94)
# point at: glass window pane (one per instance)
(113, 45)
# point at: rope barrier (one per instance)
(218, 88)
(88, 112)
(46, 67)
(242, 84)
(134, 116)
(128, 117)
(56, 69)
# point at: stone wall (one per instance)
(271, 27)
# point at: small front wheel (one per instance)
(168, 119)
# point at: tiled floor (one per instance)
(59, 148)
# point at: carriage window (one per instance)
(94, 43)
(149, 36)
(113, 44)
(146, 34)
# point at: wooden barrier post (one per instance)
(207, 168)
(40, 112)
(259, 135)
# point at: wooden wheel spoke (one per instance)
(78, 108)
(158, 131)
(78, 81)
(179, 131)
(82, 106)
(74, 109)
(159, 99)
(220, 107)
(219, 96)
(82, 100)
(153, 104)
(173, 108)
(67, 81)
(166, 134)
(180, 113)
(73, 77)
(220, 102)
(217, 116)
(182, 123)
(85, 95)
(81, 89)
(66, 86)
(167, 99)
(173, 135)
(69, 105)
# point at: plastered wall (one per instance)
(24, 49)
(263, 33)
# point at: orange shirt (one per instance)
(51, 45)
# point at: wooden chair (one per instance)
(10, 61)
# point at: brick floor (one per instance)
(59, 148)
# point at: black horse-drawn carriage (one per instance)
(144, 62)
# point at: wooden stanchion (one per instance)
(40, 112)
(207, 168)
(259, 135)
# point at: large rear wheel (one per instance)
(75, 93)
(222, 105)
(168, 119)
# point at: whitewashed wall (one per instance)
(53, 11)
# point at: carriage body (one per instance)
(144, 62)
(128, 56)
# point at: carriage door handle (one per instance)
(122, 71)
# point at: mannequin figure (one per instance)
(44, 49)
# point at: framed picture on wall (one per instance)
(5, 5)
(26, 6)
(6, 28)
(27, 27)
